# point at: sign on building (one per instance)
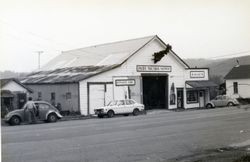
(153, 68)
(124, 82)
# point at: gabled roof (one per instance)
(103, 55)
(239, 72)
(6, 81)
(98, 55)
(65, 75)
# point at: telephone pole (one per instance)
(39, 54)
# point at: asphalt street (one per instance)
(157, 136)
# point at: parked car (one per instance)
(222, 100)
(45, 112)
(124, 107)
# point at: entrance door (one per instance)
(180, 98)
(155, 92)
(96, 97)
(202, 98)
(99, 95)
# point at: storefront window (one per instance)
(192, 96)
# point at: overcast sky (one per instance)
(194, 28)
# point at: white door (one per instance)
(202, 99)
(96, 97)
(108, 93)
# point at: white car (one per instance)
(222, 100)
(124, 107)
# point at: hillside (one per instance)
(218, 67)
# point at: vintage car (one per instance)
(222, 100)
(45, 112)
(124, 107)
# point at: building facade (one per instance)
(238, 82)
(145, 69)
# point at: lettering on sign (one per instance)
(153, 68)
(124, 82)
(197, 74)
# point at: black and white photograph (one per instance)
(125, 81)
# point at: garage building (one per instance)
(144, 69)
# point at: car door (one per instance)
(121, 107)
(129, 106)
(43, 108)
(218, 101)
(224, 101)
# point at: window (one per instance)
(192, 96)
(68, 95)
(235, 87)
(121, 102)
(43, 106)
(39, 96)
(129, 102)
(53, 96)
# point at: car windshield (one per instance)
(112, 103)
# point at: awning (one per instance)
(200, 84)
(6, 93)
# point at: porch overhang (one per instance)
(6, 94)
(200, 84)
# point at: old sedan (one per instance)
(45, 112)
(124, 107)
(222, 100)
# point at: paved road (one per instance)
(157, 136)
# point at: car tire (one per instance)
(230, 104)
(15, 120)
(52, 118)
(110, 113)
(209, 106)
(136, 112)
(100, 116)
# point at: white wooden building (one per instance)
(144, 69)
(238, 82)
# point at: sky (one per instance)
(194, 28)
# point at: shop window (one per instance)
(68, 95)
(192, 96)
(235, 87)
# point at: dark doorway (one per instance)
(180, 98)
(155, 92)
(21, 99)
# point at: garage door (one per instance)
(99, 95)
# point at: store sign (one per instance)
(124, 82)
(153, 68)
(197, 74)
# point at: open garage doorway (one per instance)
(155, 91)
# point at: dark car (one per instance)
(45, 112)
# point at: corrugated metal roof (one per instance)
(201, 84)
(239, 72)
(104, 54)
(65, 75)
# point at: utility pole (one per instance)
(39, 53)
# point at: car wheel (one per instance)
(136, 112)
(52, 118)
(230, 104)
(15, 120)
(100, 116)
(111, 113)
(209, 106)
